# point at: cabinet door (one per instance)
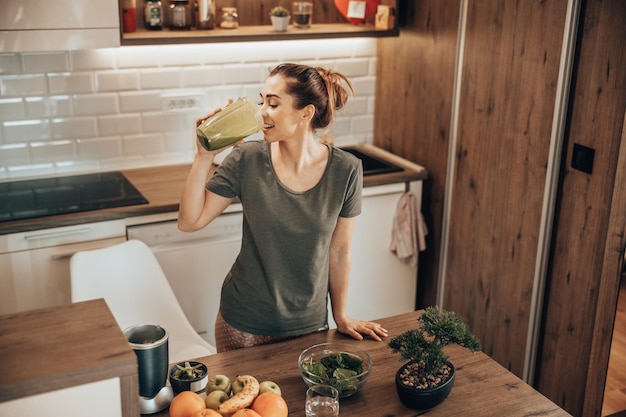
(58, 14)
(42, 25)
(41, 277)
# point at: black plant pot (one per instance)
(423, 399)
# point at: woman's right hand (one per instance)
(200, 148)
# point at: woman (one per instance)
(300, 198)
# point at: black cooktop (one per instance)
(28, 199)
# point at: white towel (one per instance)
(408, 234)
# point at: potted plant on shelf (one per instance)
(280, 18)
(427, 378)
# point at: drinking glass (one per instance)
(237, 121)
(302, 12)
(322, 401)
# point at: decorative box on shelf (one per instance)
(385, 17)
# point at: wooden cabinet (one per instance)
(491, 156)
(255, 25)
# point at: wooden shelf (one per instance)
(253, 34)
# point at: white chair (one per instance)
(130, 279)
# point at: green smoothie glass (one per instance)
(237, 121)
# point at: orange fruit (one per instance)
(206, 412)
(270, 404)
(185, 404)
(246, 412)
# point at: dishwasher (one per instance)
(195, 263)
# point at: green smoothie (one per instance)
(237, 121)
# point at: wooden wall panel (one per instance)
(587, 245)
(415, 79)
(508, 89)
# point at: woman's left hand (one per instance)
(357, 329)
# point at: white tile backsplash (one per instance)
(138, 57)
(117, 80)
(160, 78)
(202, 76)
(93, 59)
(99, 148)
(74, 128)
(71, 83)
(23, 85)
(24, 131)
(362, 124)
(53, 151)
(53, 106)
(143, 145)
(43, 62)
(12, 109)
(119, 124)
(15, 154)
(358, 67)
(91, 110)
(9, 63)
(95, 104)
(139, 101)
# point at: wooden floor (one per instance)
(615, 390)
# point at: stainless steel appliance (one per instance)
(150, 343)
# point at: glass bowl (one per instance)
(340, 365)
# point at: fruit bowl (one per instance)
(188, 376)
(338, 364)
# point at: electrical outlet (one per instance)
(181, 102)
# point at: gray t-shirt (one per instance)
(278, 284)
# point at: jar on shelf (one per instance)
(230, 18)
(205, 14)
(180, 16)
(153, 15)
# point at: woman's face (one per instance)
(281, 119)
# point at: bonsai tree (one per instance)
(423, 347)
(279, 11)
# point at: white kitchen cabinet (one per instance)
(34, 266)
(44, 25)
(381, 285)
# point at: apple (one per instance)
(215, 398)
(218, 383)
(237, 385)
(269, 386)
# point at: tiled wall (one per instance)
(96, 110)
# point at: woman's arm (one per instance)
(339, 276)
(199, 206)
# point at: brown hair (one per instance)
(318, 86)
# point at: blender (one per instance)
(150, 343)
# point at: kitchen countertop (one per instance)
(162, 187)
(61, 347)
(482, 387)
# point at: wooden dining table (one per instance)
(482, 386)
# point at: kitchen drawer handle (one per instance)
(167, 247)
(63, 233)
